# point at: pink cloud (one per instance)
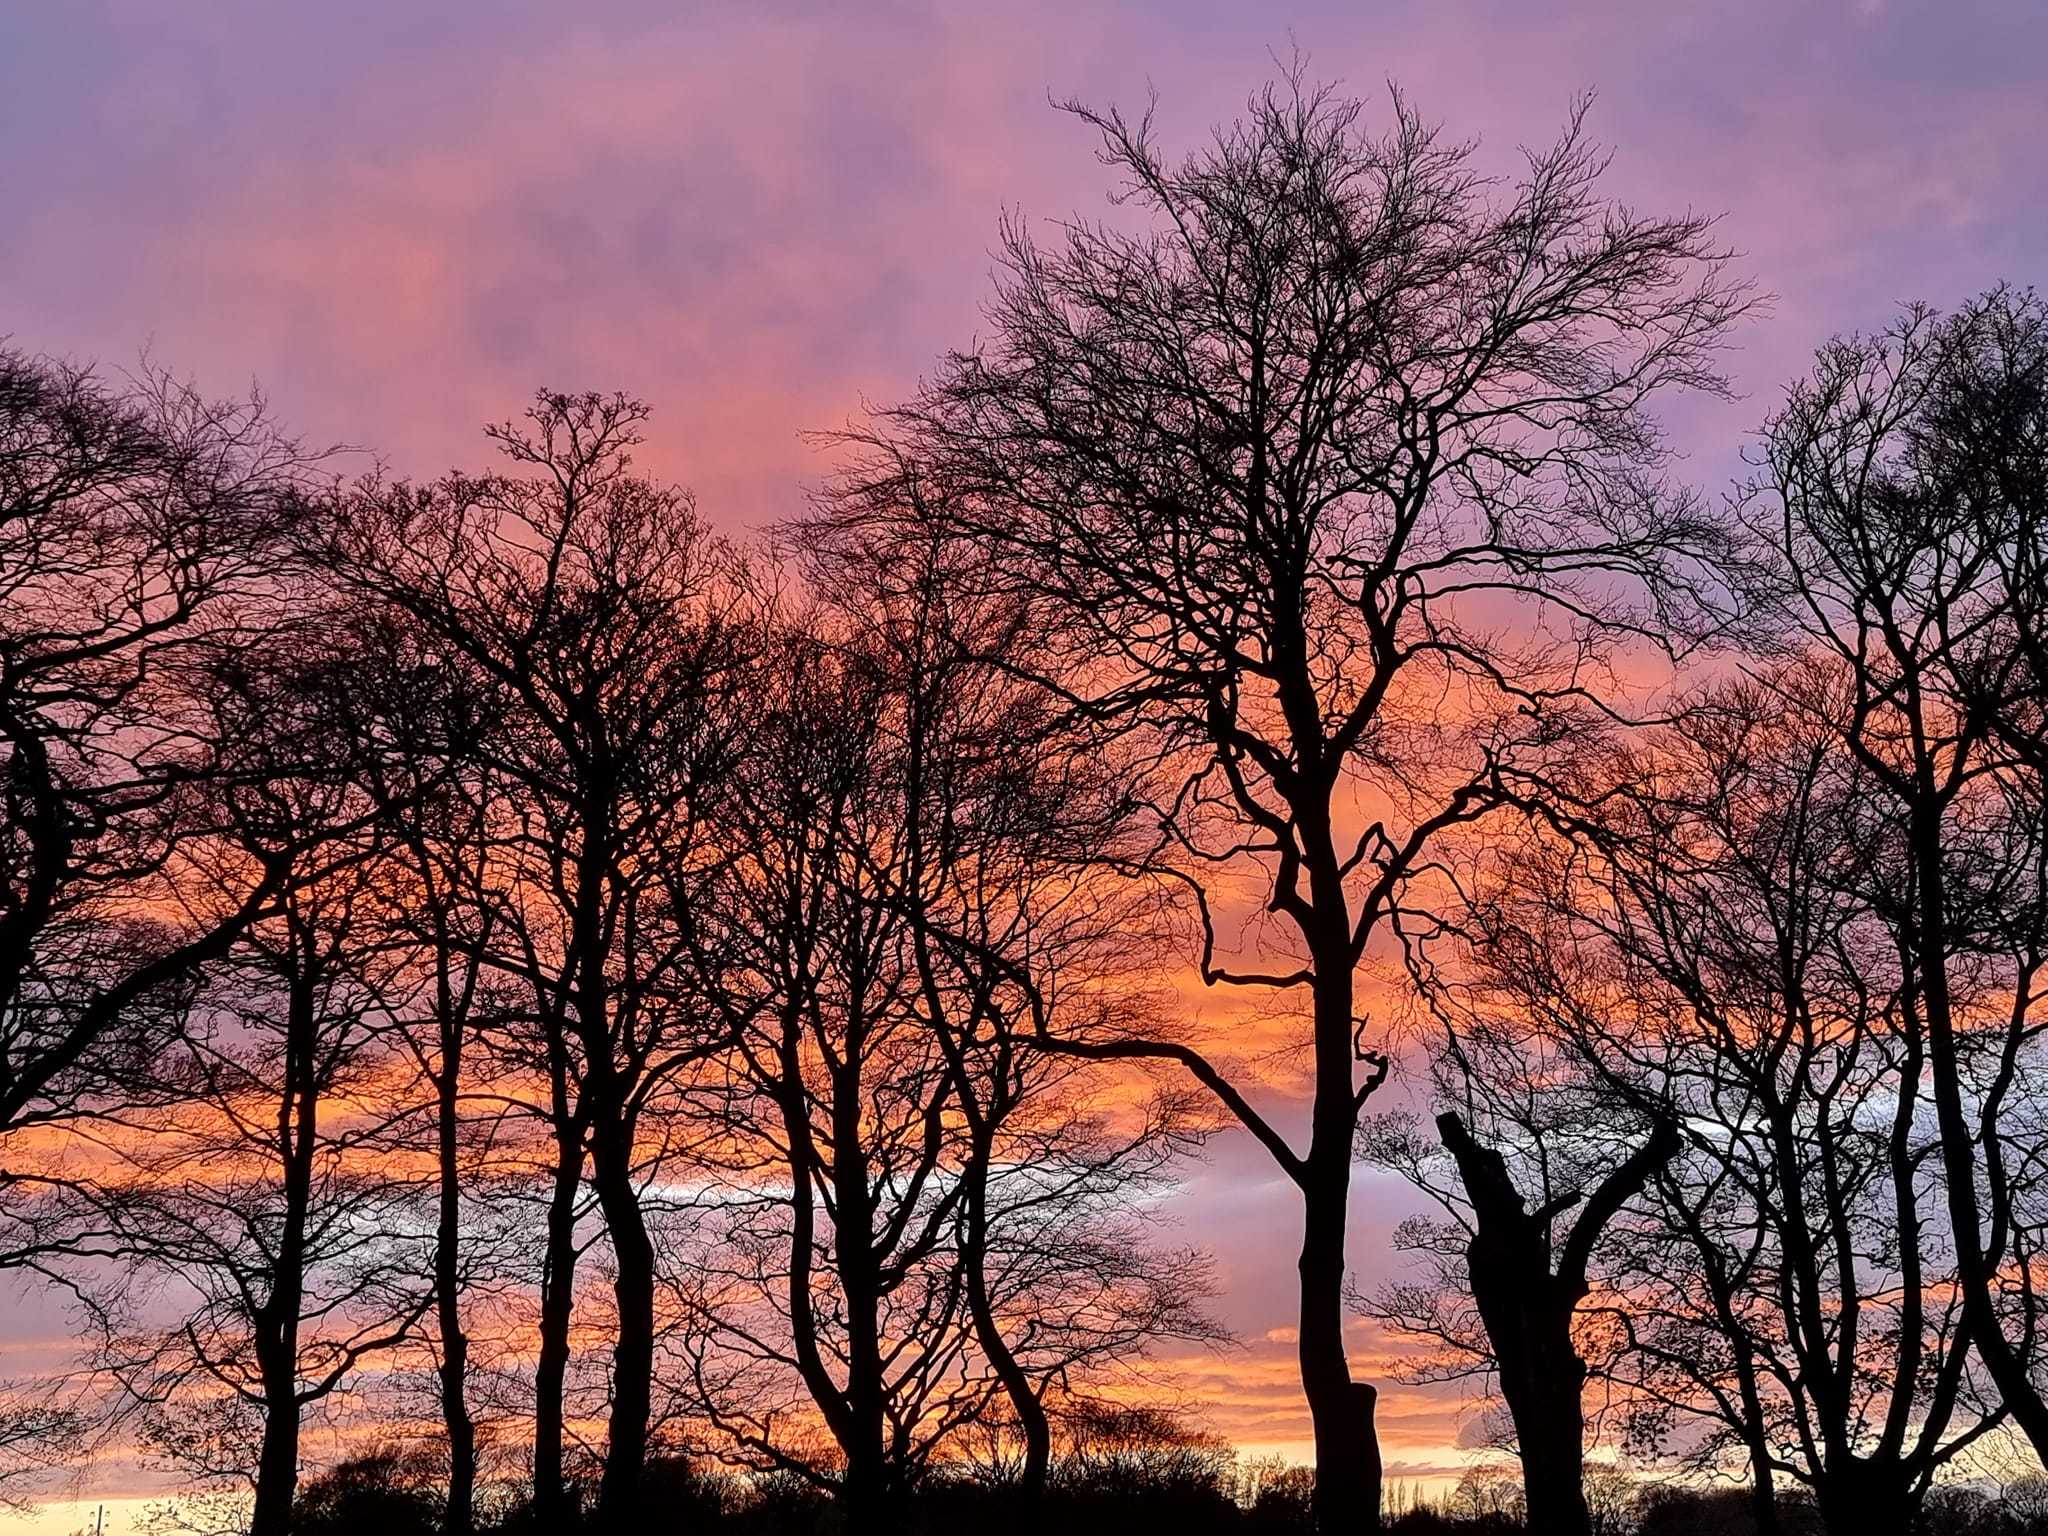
(403, 219)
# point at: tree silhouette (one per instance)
(919, 1222)
(1528, 1299)
(1279, 461)
(1007, 815)
(442, 906)
(1724, 945)
(251, 1184)
(142, 547)
(1899, 489)
(1535, 1162)
(604, 624)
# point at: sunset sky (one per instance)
(399, 218)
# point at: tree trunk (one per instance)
(870, 1503)
(277, 1350)
(1974, 1267)
(1527, 1309)
(557, 1300)
(1547, 1404)
(1347, 1491)
(277, 1471)
(459, 1518)
(1528, 1322)
(988, 1331)
(870, 1497)
(1867, 1498)
(1763, 1490)
(633, 1351)
(49, 834)
(276, 1322)
(869, 1494)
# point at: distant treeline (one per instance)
(1135, 1471)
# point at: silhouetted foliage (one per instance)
(390, 1491)
(1151, 1475)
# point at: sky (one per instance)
(399, 219)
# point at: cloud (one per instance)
(403, 222)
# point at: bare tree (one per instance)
(454, 937)
(601, 618)
(1282, 460)
(1526, 1136)
(1730, 946)
(1897, 487)
(828, 1263)
(1526, 1279)
(926, 1225)
(142, 534)
(251, 1191)
(441, 909)
(1007, 818)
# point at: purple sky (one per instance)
(401, 217)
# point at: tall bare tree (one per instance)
(833, 1288)
(924, 1226)
(1007, 817)
(250, 1188)
(601, 620)
(1897, 487)
(142, 535)
(1283, 458)
(1730, 946)
(441, 907)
